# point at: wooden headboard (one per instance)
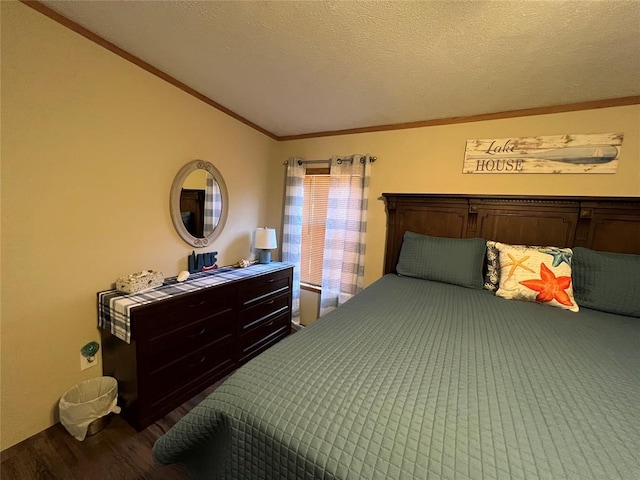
(609, 224)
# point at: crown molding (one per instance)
(571, 107)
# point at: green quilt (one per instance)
(418, 379)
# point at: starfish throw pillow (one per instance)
(536, 274)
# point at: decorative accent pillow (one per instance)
(450, 260)
(606, 281)
(536, 274)
(492, 269)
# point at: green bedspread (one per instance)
(418, 379)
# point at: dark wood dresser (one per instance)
(184, 342)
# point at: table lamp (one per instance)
(265, 240)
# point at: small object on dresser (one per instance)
(139, 281)
(265, 241)
(191, 262)
(242, 263)
(198, 262)
(182, 276)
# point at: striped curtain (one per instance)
(212, 205)
(292, 228)
(344, 247)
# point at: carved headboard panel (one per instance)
(602, 223)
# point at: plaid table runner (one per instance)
(114, 308)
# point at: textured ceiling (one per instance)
(295, 67)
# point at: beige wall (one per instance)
(430, 160)
(90, 146)
(309, 306)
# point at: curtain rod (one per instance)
(328, 160)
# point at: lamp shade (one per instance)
(265, 238)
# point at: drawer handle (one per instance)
(199, 304)
(270, 302)
(194, 335)
(269, 324)
(198, 362)
(271, 280)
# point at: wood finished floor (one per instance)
(118, 452)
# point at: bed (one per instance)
(421, 377)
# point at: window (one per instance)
(314, 219)
(325, 224)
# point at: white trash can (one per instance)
(88, 402)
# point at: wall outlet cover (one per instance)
(85, 363)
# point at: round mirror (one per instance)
(199, 203)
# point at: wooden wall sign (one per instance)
(593, 153)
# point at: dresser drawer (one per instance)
(263, 288)
(167, 316)
(263, 312)
(264, 335)
(193, 335)
(170, 378)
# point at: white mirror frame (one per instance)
(174, 203)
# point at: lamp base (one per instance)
(265, 256)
